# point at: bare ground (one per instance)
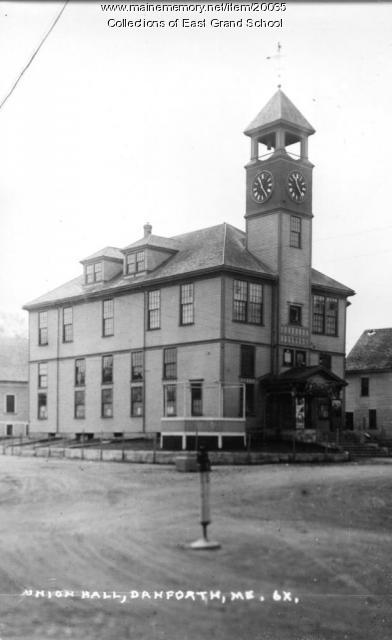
(322, 533)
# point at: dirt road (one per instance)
(318, 537)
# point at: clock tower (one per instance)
(279, 219)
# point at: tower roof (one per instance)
(279, 109)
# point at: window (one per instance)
(43, 327)
(350, 420)
(42, 406)
(137, 365)
(42, 375)
(288, 357)
(108, 317)
(186, 304)
(169, 363)
(80, 372)
(372, 419)
(364, 386)
(247, 368)
(136, 262)
(249, 400)
(154, 309)
(80, 404)
(9, 430)
(248, 302)
(300, 358)
(325, 360)
(107, 369)
(295, 314)
(10, 404)
(323, 409)
(136, 401)
(295, 232)
(170, 404)
(196, 399)
(325, 315)
(67, 324)
(107, 403)
(93, 272)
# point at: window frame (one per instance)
(45, 406)
(153, 309)
(325, 356)
(243, 305)
(137, 377)
(107, 318)
(295, 232)
(169, 365)
(82, 382)
(135, 262)
(320, 318)
(109, 358)
(108, 393)
(42, 375)
(137, 403)
(43, 334)
(79, 393)
(93, 272)
(13, 396)
(66, 325)
(172, 388)
(295, 309)
(187, 304)
(373, 419)
(365, 386)
(196, 388)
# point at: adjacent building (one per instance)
(210, 334)
(369, 377)
(14, 392)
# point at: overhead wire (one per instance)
(18, 79)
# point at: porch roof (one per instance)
(299, 377)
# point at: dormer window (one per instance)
(94, 272)
(136, 262)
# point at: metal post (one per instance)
(205, 520)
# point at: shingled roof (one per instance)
(373, 351)
(214, 248)
(279, 109)
(13, 359)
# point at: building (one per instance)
(212, 333)
(14, 392)
(369, 377)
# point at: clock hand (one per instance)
(261, 185)
(297, 185)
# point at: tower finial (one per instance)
(278, 58)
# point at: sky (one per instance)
(111, 127)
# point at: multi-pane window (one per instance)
(80, 403)
(42, 375)
(67, 324)
(170, 363)
(247, 368)
(10, 403)
(295, 314)
(137, 365)
(107, 369)
(186, 304)
(300, 358)
(42, 406)
(136, 402)
(136, 262)
(108, 317)
(43, 327)
(170, 400)
(325, 360)
(364, 386)
(295, 232)
(325, 315)
(154, 309)
(107, 403)
(93, 272)
(196, 399)
(248, 302)
(80, 372)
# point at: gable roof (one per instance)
(158, 242)
(279, 109)
(321, 281)
(13, 359)
(107, 252)
(372, 351)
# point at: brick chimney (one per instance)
(147, 230)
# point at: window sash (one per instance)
(43, 327)
(42, 375)
(325, 315)
(67, 324)
(107, 369)
(137, 365)
(131, 263)
(170, 363)
(107, 403)
(80, 402)
(136, 402)
(140, 261)
(247, 302)
(295, 232)
(10, 403)
(295, 313)
(108, 317)
(80, 372)
(186, 304)
(196, 399)
(42, 406)
(154, 309)
(170, 400)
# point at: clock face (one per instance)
(296, 185)
(262, 186)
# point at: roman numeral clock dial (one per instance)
(296, 186)
(262, 186)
